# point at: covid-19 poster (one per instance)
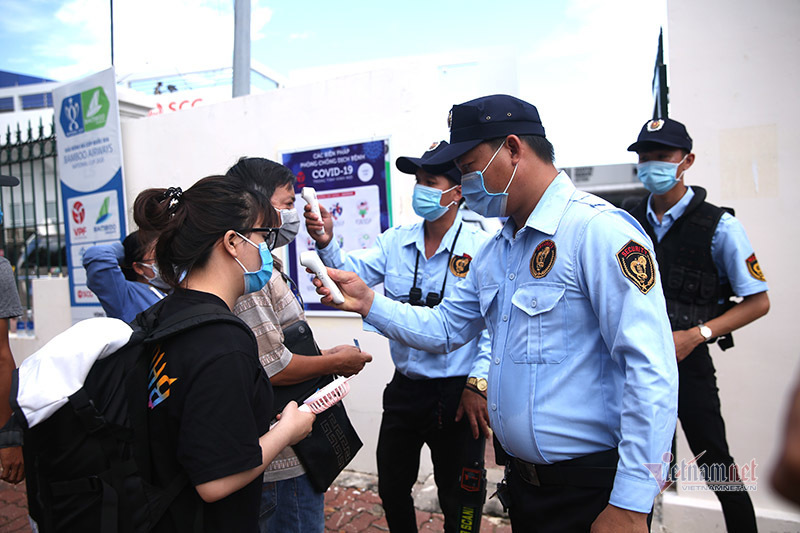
(90, 171)
(352, 183)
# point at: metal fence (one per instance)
(32, 236)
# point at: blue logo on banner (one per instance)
(72, 115)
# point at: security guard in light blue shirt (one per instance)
(436, 396)
(582, 386)
(396, 259)
(705, 258)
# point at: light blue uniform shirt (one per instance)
(730, 247)
(582, 358)
(391, 262)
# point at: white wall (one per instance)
(734, 76)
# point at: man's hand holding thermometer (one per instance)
(311, 261)
(309, 194)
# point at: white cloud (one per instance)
(592, 78)
(259, 18)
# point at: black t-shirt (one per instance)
(209, 402)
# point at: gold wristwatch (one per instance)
(705, 331)
(478, 383)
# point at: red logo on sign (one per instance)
(78, 212)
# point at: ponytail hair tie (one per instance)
(173, 194)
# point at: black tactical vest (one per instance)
(688, 274)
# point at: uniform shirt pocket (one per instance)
(540, 312)
(396, 287)
(488, 297)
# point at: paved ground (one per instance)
(351, 505)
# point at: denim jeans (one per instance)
(291, 506)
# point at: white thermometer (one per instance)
(311, 260)
(309, 194)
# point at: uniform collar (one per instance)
(417, 235)
(548, 212)
(673, 213)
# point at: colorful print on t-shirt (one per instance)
(159, 381)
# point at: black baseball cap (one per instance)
(8, 181)
(486, 118)
(410, 165)
(663, 131)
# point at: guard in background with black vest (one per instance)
(704, 258)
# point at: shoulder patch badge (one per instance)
(754, 268)
(543, 259)
(637, 265)
(459, 265)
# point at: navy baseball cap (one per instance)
(486, 118)
(410, 165)
(663, 131)
(8, 181)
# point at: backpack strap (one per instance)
(193, 317)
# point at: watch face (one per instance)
(481, 384)
(705, 331)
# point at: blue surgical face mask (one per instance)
(480, 200)
(658, 177)
(427, 202)
(255, 281)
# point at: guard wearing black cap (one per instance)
(12, 469)
(582, 390)
(437, 396)
(705, 257)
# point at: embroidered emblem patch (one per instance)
(450, 120)
(754, 268)
(655, 125)
(459, 265)
(543, 259)
(433, 146)
(637, 265)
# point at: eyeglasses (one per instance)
(270, 235)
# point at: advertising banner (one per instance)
(90, 172)
(352, 183)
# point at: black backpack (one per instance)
(89, 465)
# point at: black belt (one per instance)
(594, 470)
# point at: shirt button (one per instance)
(533, 302)
(505, 318)
(512, 276)
(494, 407)
(497, 360)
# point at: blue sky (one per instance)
(581, 62)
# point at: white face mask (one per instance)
(290, 225)
(155, 280)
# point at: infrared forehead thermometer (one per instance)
(309, 194)
(311, 260)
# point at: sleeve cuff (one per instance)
(329, 254)
(633, 494)
(119, 250)
(380, 314)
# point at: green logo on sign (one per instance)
(95, 108)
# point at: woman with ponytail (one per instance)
(209, 398)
